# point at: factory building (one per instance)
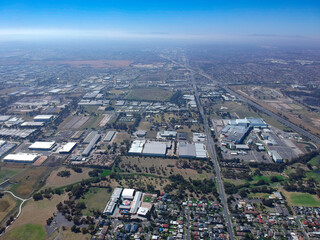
(235, 134)
(112, 203)
(43, 146)
(249, 122)
(90, 136)
(109, 136)
(43, 118)
(91, 144)
(167, 134)
(68, 148)
(21, 158)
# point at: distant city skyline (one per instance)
(193, 20)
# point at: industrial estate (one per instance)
(159, 144)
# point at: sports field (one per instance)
(27, 232)
(90, 199)
(302, 199)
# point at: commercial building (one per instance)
(4, 118)
(155, 149)
(68, 147)
(21, 158)
(109, 136)
(249, 122)
(43, 118)
(112, 203)
(201, 151)
(43, 146)
(17, 133)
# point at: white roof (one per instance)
(43, 117)
(127, 192)
(42, 145)
(67, 147)
(32, 124)
(142, 211)
(26, 157)
(137, 146)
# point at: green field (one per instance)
(315, 175)
(149, 94)
(315, 161)
(147, 199)
(106, 172)
(7, 172)
(90, 199)
(267, 178)
(304, 199)
(26, 232)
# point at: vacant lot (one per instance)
(8, 172)
(29, 180)
(96, 198)
(302, 199)
(7, 203)
(149, 94)
(37, 212)
(160, 167)
(54, 181)
(26, 232)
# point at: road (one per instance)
(211, 148)
(212, 151)
(275, 116)
(19, 198)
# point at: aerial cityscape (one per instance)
(193, 133)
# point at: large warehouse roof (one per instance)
(42, 145)
(21, 157)
(43, 117)
(155, 148)
(127, 193)
(67, 148)
(187, 150)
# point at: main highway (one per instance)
(211, 149)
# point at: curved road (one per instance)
(19, 198)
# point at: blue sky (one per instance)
(161, 19)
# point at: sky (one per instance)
(164, 19)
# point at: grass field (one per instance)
(120, 137)
(96, 198)
(29, 180)
(7, 203)
(68, 235)
(147, 199)
(26, 232)
(315, 175)
(55, 181)
(302, 199)
(93, 122)
(315, 161)
(8, 172)
(149, 94)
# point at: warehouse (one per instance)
(112, 203)
(136, 147)
(21, 158)
(6, 148)
(167, 134)
(4, 118)
(187, 150)
(249, 122)
(90, 136)
(43, 118)
(91, 145)
(32, 124)
(68, 148)
(155, 149)
(201, 151)
(43, 146)
(276, 156)
(109, 136)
